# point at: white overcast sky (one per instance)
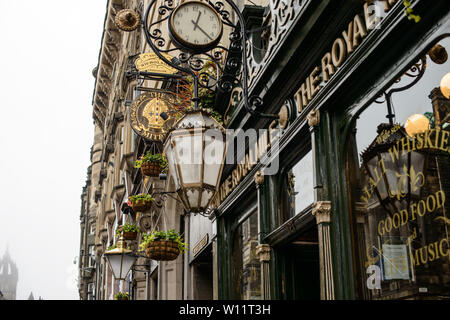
(48, 51)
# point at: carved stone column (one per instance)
(263, 251)
(322, 210)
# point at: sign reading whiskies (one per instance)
(145, 114)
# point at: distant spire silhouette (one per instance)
(31, 297)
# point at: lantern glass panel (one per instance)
(171, 162)
(188, 152)
(213, 156)
(193, 195)
(120, 264)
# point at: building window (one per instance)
(245, 263)
(399, 181)
(297, 188)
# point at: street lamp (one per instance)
(195, 150)
(120, 260)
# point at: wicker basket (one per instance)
(141, 205)
(151, 169)
(129, 235)
(162, 250)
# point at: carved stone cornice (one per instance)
(322, 211)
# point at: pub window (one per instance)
(297, 187)
(398, 159)
(245, 262)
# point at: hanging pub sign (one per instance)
(145, 114)
(150, 62)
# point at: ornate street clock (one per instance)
(195, 26)
(145, 114)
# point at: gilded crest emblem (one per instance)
(145, 114)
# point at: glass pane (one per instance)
(188, 152)
(401, 185)
(299, 186)
(245, 262)
(213, 157)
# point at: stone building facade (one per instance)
(358, 208)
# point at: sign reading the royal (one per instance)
(150, 62)
(145, 114)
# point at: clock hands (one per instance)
(196, 22)
(197, 26)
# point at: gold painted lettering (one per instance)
(381, 228)
(412, 208)
(359, 30)
(338, 56)
(314, 80)
(408, 148)
(443, 254)
(431, 255)
(444, 140)
(348, 37)
(419, 206)
(428, 143)
(442, 199)
(327, 67)
(370, 23)
(393, 152)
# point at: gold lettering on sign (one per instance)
(429, 205)
(342, 47)
(431, 252)
(150, 62)
(200, 245)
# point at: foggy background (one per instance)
(48, 51)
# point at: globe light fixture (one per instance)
(195, 150)
(416, 123)
(445, 85)
(120, 260)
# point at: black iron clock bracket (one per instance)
(191, 63)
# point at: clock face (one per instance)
(195, 25)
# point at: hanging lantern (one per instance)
(195, 150)
(120, 260)
(391, 178)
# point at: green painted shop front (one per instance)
(359, 206)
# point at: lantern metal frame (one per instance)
(122, 251)
(190, 130)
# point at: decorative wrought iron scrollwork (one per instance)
(228, 65)
(415, 72)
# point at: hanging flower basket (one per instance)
(128, 231)
(151, 164)
(122, 296)
(151, 169)
(142, 202)
(129, 235)
(162, 250)
(162, 246)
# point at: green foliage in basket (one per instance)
(170, 235)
